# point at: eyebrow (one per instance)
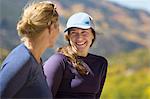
(73, 29)
(83, 30)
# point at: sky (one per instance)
(134, 4)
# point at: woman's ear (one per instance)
(49, 29)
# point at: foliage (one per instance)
(3, 54)
(128, 76)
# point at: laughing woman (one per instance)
(73, 72)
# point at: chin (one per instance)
(82, 49)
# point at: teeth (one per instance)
(81, 43)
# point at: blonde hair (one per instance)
(35, 18)
(73, 58)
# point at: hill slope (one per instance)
(118, 28)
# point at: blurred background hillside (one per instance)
(123, 36)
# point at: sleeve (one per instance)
(53, 69)
(13, 75)
(102, 81)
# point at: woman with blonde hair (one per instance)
(73, 72)
(21, 74)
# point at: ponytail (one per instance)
(72, 57)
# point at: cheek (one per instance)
(54, 34)
(91, 38)
(72, 41)
(91, 41)
(51, 37)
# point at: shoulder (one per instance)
(98, 58)
(57, 57)
(55, 62)
(18, 57)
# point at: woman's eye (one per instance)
(73, 33)
(85, 33)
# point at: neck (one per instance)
(84, 54)
(36, 48)
(80, 53)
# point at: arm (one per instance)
(13, 76)
(53, 69)
(102, 81)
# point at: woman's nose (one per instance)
(79, 37)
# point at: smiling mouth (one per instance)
(82, 44)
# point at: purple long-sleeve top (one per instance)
(65, 82)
